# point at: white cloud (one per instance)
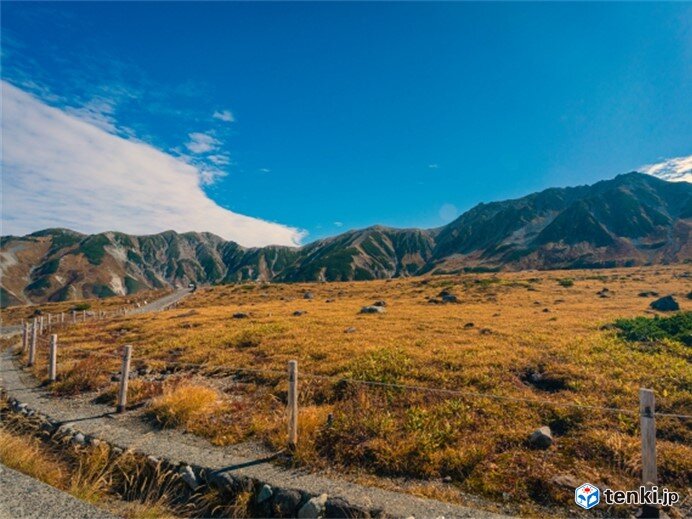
(62, 171)
(678, 169)
(265, 170)
(339, 224)
(433, 166)
(224, 115)
(448, 212)
(202, 143)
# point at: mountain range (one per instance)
(633, 219)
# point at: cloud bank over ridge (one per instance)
(61, 171)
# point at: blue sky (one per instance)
(325, 117)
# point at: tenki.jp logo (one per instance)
(587, 496)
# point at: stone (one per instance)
(541, 438)
(329, 300)
(314, 508)
(665, 304)
(308, 295)
(240, 315)
(286, 502)
(469, 325)
(648, 293)
(265, 493)
(566, 481)
(189, 477)
(450, 298)
(350, 329)
(337, 508)
(485, 331)
(78, 439)
(372, 310)
(380, 302)
(298, 313)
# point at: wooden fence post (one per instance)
(83, 316)
(53, 361)
(25, 336)
(40, 325)
(62, 318)
(124, 377)
(74, 316)
(292, 403)
(32, 346)
(647, 408)
(49, 322)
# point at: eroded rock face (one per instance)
(665, 304)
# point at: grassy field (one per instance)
(545, 337)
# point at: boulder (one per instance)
(350, 329)
(450, 298)
(265, 493)
(78, 439)
(314, 508)
(298, 313)
(286, 502)
(308, 295)
(337, 508)
(240, 315)
(469, 325)
(372, 310)
(189, 477)
(380, 302)
(665, 304)
(541, 438)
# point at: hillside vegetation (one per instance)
(516, 350)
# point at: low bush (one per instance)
(677, 327)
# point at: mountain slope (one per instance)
(632, 219)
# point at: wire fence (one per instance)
(646, 412)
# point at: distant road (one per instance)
(23, 497)
(154, 306)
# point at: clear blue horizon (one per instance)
(333, 116)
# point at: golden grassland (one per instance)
(530, 335)
(17, 314)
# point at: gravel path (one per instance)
(23, 497)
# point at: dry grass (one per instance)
(521, 335)
(185, 405)
(24, 453)
(126, 484)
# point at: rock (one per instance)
(337, 508)
(372, 310)
(308, 295)
(434, 301)
(298, 313)
(445, 292)
(329, 300)
(314, 508)
(648, 293)
(189, 477)
(265, 493)
(240, 315)
(350, 329)
(608, 326)
(566, 481)
(380, 302)
(541, 438)
(689, 295)
(286, 502)
(450, 298)
(546, 310)
(78, 439)
(469, 325)
(485, 331)
(665, 304)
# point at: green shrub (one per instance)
(677, 327)
(81, 306)
(565, 282)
